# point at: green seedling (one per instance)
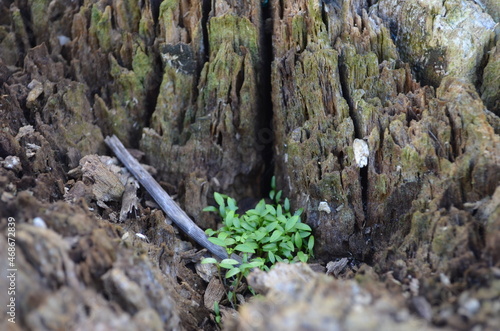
(267, 234)
(217, 313)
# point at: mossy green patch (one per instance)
(238, 31)
(100, 27)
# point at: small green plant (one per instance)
(267, 234)
(217, 313)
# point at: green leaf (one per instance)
(269, 247)
(229, 241)
(247, 226)
(251, 218)
(211, 208)
(256, 263)
(279, 227)
(222, 211)
(285, 247)
(291, 223)
(302, 257)
(287, 204)
(258, 235)
(269, 218)
(244, 248)
(264, 240)
(271, 226)
(236, 222)
(229, 261)
(217, 241)
(279, 211)
(271, 257)
(278, 197)
(273, 183)
(271, 210)
(216, 308)
(282, 219)
(231, 204)
(223, 235)
(232, 272)
(226, 266)
(298, 240)
(304, 234)
(228, 220)
(302, 226)
(210, 232)
(275, 236)
(271, 194)
(261, 208)
(208, 260)
(219, 199)
(310, 244)
(288, 254)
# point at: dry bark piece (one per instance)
(130, 201)
(215, 292)
(299, 299)
(336, 267)
(106, 185)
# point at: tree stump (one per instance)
(379, 118)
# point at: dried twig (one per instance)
(173, 211)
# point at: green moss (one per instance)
(299, 31)
(388, 51)
(420, 225)
(238, 31)
(360, 67)
(490, 87)
(317, 33)
(411, 163)
(379, 187)
(174, 98)
(100, 27)
(127, 15)
(443, 240)
(39, 14)
(142, 64)
(127, 105)
(20, 28)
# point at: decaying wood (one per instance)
(164, 200)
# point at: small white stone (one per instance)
(444, 279)
(12, 162)
(63, 40)
(39, 223)
(361, 152)
(323, 206)
(143, 237)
